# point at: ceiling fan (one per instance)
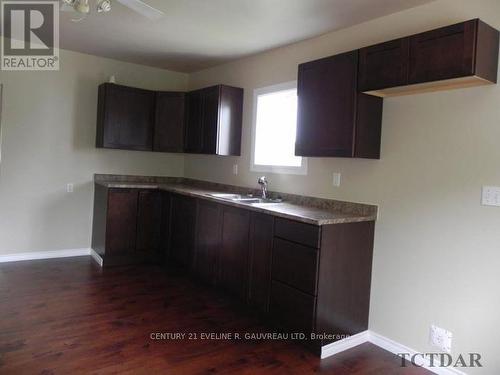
(83, 8)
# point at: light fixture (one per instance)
(103, 6)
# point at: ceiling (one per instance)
(196, 34)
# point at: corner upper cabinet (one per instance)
(169, 121)
(125, 117)
(456, 56)
(214, 120)
(333, 118)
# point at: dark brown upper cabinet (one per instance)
(384, 65)
(333, 118)
(214, 120)
(125, 117)
(456, 56)
(169, 122)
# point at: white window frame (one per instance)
(302, 170)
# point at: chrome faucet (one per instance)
(263, 186)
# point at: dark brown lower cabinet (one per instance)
(323, 289)
(261, 246)
(233, 258)
(149, 216)
(121, 221)
(208, 240)
(127, 225)
(301, 278)
(182, 229)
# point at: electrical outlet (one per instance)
(336, 179)
(440, 338)
(491, 196)
(235, 169)
(69, 188)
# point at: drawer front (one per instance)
(292, 309)
(295, 265)
(304, 234)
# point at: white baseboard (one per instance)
(96, 257)
(344, 344)
(387, 344)
(397, 348)
(44, 255)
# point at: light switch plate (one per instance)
(235, 169)
(336, 179)
(491, 196)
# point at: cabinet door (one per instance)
(326, 106)
(165, 224)
(234, 251)
(443, 53)
(230, 121)
(169, 122)
(125, 118)
(149, 215)
(208, 238)
(121, 221)
(261, 244)
(292, 309)
(194, 128)
(182, 227)
(210, 119)
(384, 65)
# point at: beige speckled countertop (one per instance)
(308, 210)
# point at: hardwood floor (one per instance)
(68, 316)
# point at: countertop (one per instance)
(329, 212)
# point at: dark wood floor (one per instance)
(70, 317)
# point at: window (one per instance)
(274, 130)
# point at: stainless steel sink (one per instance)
(245, 199)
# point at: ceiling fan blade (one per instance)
(143, 9)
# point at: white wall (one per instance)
(437, 250)
(48, 140)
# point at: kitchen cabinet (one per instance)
(121, 221)
(384, 65)
(193, 133)
(333, 118)
(233, 258)
(214, 120)
(169, 122)
(462, 50)
(261, 245)
(205, 121)
(461, 55)
(149, 221)
(299, 277)
(208, 240)
(125, 118)
(127, 225)
(321, 278)
(182, 230)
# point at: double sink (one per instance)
(245, 199)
